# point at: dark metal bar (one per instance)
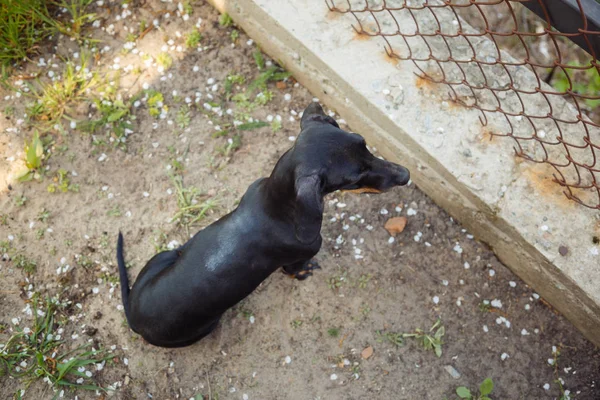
(570, 17)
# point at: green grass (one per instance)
(333, 332)
(39, 353)
(231, 147)
(485, 388)
(164, 60)
(76, 17)
(34, 154)
(259, 59)
(62, 183)
(156, 103)
(24, 263)
(390, 337)
(114, 115)
(24, 24)
(54, 100)
(252, 125)
(183, 117)
(190, 209)
(193, 39)
(431, 340)
(225, 20)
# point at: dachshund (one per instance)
(180, 295)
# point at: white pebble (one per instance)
(436, 299)
(333, 377)
(391, 240)
(512, 284)
(288, 359)
(504, 356)
(546, 386)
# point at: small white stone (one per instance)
(436, 299)
(467, 265)
(287, 97)
(252, 319)
(146, 194)
(546, 386)
(333, 377)
(492, 272)
(485, 329)
(512, 284)
(524, 332)
(391, 240)
(288, 359)
(504, 356)
(411, 212)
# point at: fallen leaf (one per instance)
(367, 352)
(281, 85)
(395, 225)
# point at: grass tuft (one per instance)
(36, 353)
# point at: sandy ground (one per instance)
(289, 339)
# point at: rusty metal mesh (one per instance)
(497, 57)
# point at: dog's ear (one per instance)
(308, 214)
(314, 112)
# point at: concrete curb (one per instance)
(511, 205)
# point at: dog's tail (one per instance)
(123, 278)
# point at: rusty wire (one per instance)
(497, 57)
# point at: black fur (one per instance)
(180, 295)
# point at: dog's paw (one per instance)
(303, 271)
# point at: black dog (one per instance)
(180, 295)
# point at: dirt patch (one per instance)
(289, 339)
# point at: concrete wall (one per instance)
(510, 204)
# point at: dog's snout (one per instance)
(402, 175)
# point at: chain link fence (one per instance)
(530, 66)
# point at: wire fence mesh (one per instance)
(496, 56)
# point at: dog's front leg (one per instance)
(302, 269)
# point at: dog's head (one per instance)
(327, 159)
